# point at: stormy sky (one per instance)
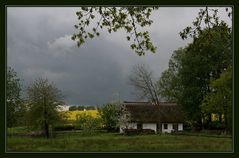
(39, 45)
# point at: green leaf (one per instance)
(128, 38)
(90, 35)
(92, 16)
(133, 46)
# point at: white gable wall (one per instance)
(132, 126)
(152, 126)
(180, 127)
(169, 129)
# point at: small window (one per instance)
(139, 126)
(165, 126)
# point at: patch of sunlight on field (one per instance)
(72, 115)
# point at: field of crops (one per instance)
(72, 115)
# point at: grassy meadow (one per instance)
(115, 142)
(101, 141)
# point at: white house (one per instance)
(163, 118)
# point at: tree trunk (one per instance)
(46, 129)
(46, 125)
(209, 121)
(220, 120)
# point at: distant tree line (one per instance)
(82, 107)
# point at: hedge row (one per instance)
(65, 127)
(138, 131)
(68, 127)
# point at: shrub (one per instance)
(88, 123)
(77, 127)
(147, 131)
(64, 127)
(139, 131)
(132, 131)
(110, 116)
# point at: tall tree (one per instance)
(131, 19)
(43, 99)
(192, 69)
(141, 78)
(168, 85)
(206, 57)
(13, 100)
(219, 100)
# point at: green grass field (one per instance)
(114, 142)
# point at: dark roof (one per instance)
(165, 112)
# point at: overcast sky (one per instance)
(39, 45)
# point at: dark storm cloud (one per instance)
(39, 45)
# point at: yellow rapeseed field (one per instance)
(71, 115)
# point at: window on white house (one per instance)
(165, 126)
(139, 126)
(175, 126)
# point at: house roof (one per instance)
(165, 112)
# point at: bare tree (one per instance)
(141, 78)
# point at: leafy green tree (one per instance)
(169, 87)
(15, 109)
(131, 19)
(191, 69)
(211, 49)
(110, 114)
(219, 100)
(43, 99)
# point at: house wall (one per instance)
(133, 126)
(152, 126)
(180, 127)
(169, 129)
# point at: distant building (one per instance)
(163, 118)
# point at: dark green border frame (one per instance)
(16, 3)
